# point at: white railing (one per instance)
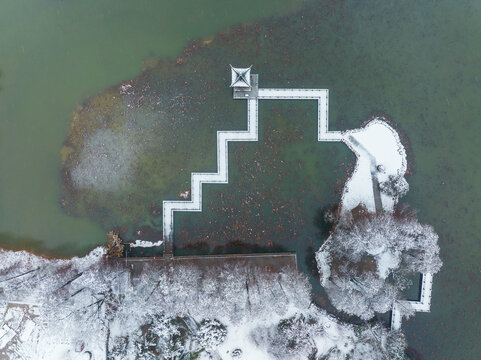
(423, 305)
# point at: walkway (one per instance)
(220, 177)
(224, 137)
(374, 179)
(423, 305)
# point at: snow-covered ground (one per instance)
(83, 308)
(379, 154)
(240, 336)
(38, 314)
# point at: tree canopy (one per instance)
(368, 258)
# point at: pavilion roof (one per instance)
(241, 77)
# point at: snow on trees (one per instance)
(395, 185)
(315, 335)
(169, 338)
(165, 312)
(378, 343)
(361, 295)
(211, 333)
(291, 337)
(372, 342)
(366, 261)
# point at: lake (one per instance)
(416, 63)
(53, 54)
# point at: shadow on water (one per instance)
(323, 220)
(413, 354)
(310, 259)
(413, 291)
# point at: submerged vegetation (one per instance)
(136, 143)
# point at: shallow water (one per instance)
(416, 62)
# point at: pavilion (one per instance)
(241, 77)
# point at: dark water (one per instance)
(417, 62)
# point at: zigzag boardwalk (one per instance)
(252, 95)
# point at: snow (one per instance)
(379, 154)
(335, 336)
(323, 261)
(385, 262)
(28, 327)
(238, 337)
(377, 183)
(44, 312)
(7, 334)
(85, 298)
(144, 243)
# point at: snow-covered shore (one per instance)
(69, 309)
(380, 155)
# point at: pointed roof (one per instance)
(241, 77)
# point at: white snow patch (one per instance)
(6, 335)
(379, 153)
(385, 262)
(323, 262)
(145, 244)
(238, 337)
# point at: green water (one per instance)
(53, 54)
(418, 62)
